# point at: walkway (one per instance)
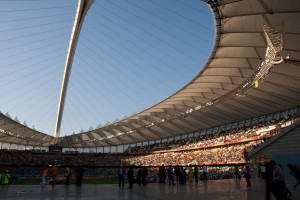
(218, 189)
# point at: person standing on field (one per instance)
(54, 172)
(121, 173)
(170, 175)
(5, 177)
(130, 177)
(68, 176)
(191, 173)
(45, 171)
(79, 175)
(196, 172)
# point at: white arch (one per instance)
(81, 11)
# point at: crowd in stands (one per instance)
(223, 148)
(15, 157)
(233, 135)
(228, 153)
(232, 153)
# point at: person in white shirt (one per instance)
(263, 171)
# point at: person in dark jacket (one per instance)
(268, 178)
(162, 174)
(248, 176)
(278, 187)
(144, 176)
(139, 177)
(297, 175)
(177, 170)
(79, 175)
(196, 173)
(130, 177)
(182, 174)
(121, 173)
(170, 175)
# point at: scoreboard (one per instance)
(55, 149)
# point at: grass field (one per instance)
(38, 181)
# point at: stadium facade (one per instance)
(252, 74)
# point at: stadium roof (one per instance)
(257, 43)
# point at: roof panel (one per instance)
(238, 39)
(239, 53)
(242, 8)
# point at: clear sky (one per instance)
(130, 55)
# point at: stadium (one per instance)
(240, 109)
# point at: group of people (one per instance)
(53, 173)
(216, 155)
(24, 163)
(275, 181)
(141, 176)
(181, 173)
(231, 153)
(219, 137)
(226, 153)
(270, 171)
(21, 158)
(169, 174)
(162, 174)
(221, 152)
(32, 172)
(273, 175)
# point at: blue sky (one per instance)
(130, 55)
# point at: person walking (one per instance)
(236, 172)
(54, 171)
(177, 170)
(268, 178)
(45, 171)
(162, 174)
(287, 191)
(68, 175)
(196, 173)
(277, 182)
(263, 171)
(121, 172)
(170, 175)
(248, 176)
(297, 175)
(291, 168)
(182, 175)
(130, 177)
(139, 177)
(79, 175)
(259, 170)
(191, 174)
(144, 176)
(205, 173)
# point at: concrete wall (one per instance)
(283, 148)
